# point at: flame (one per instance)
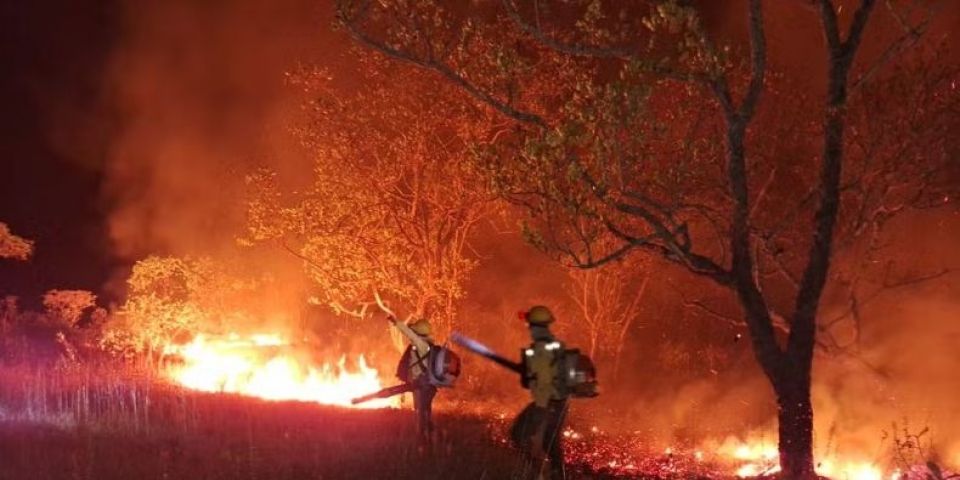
(256, 366)
(760, 458)
(853, 471)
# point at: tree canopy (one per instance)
(391, 204)
(12, 246)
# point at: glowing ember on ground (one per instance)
(595, 451)
(259, 366)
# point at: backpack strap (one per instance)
(421, 361)
(403, 365)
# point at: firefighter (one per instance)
(413, 368)
(538, 428)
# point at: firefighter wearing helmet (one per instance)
(413, 369)
(538, 429)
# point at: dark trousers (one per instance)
(546, 425)
(423, 406)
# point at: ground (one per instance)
(91, 425)
(252, 440)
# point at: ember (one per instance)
(629, 456)
(260, 366)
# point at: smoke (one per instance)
(200, 96)
(199, 88)
(903, 379)
(899, 379)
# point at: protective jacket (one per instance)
(538, 428)
(542, 368)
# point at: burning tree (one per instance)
(647, 134)
(158, 308)
(391, 205)
(171, 299)
(12, 246)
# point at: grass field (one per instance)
(240, 439)
(88, 424)
(105, 426)
(85, 425)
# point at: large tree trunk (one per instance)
(789, 374)
(795, 417)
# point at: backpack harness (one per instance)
(440, 365)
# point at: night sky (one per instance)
(55, 136)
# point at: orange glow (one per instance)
(755, 458)
(759, 458)
(258, 366)
(853, 471)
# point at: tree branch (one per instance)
(758, 57)
(905, 41)
(430, 64)
(578, 50)
(831, 30)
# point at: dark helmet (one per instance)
(539, 315)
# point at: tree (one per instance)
(68, 305)
(391, 205)
(171, 299)
(608, 301)
(12, 246)
(644, 132)
(160, 307)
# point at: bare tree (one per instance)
(608, 301)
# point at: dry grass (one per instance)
(106, 425)
(251, 440)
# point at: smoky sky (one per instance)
(128, 124)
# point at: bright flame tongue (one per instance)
(764, 459)
(248, 366)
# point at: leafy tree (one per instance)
(170, 299)
(12, 246)
(160, 306)
(643, 133)
(68, 305)
(391, 205)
